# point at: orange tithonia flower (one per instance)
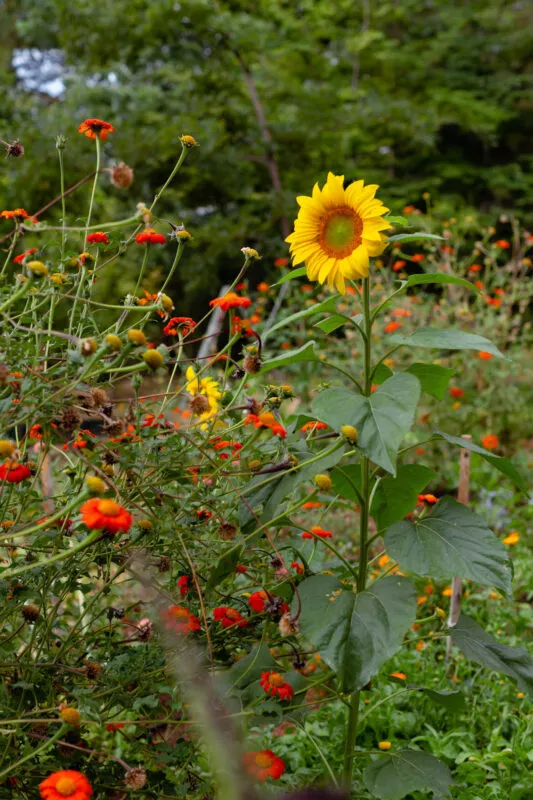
(13, 472)
(107, 515)
(281, 262)
(512, 538)
(484, 356)
(229, 617)
(503, 244)
(186, 324)
(273, 684)
(93, 128)
(490, 441)
(337, 230)
(456, 392)
(20, 258)
(317, 531)
(417, 257)
(266, 420)
(17, 213)
(98, 237)
(230, 300)
(257, 601)
(264, 764)
(66, 783)
(149, 236)
(427, 498)
(180, 619)
(313, 426)
(398, 265)
(390, 327)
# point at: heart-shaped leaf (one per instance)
(501, 463)
(356, 633)
(396, 497)
(446, 339)
(449, 541)
(395, 775)
(433, 378)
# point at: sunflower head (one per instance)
(337, 230)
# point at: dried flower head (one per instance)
(135, 778)
(121, 175)
(14, 149)
(30, 612)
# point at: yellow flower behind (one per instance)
(204, 387)
(337, 230)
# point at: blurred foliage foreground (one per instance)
(221, 535)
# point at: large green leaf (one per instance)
(453, 701)
(395, 775)
(446, 339)
(382, 419)
(479, 646)
(246, 671)
(346, 480)
(304, 353)
(223, 567)
(414, 237)
(356, 633)
(449, 541)
(501, 463)
(439, 277)
(294, 273)
(328, 304)
(433, 378)
(396, 497)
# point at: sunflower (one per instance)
(205, 394)
(337, 230)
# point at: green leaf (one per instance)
(329, 304)
(501, 463)
(225, 566)
(382, 419)
(330, 324)
(247, 670)
(433, 378)
(382, 373)
(439, 277)
(396, 497)
(449, 541)
(453, 701)
(446, 339)
(304, 353)
(414, 237)
(356, 633)
(401, 222)
(479, 646)
(294, 273)
(396, 775)
(344, 478)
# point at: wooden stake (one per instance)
(463, 495)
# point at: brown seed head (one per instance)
(227, 531)
(135, 778)
(92, 670)
(30, 612)
(122, 176)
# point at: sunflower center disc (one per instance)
(340, 231)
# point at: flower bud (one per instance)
(167, 303)
(37, 268)
(113, 342)
(7, 448)
(323, 482)
(136, 336)
(153, 358)
(249, 253)
(188, 141)
(70, 715)
(95, 484)
(350, 433)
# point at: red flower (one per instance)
(417, 257)
(493, 301)
(475, 268)
(98, 238)
(503, 244)
(427, 498)
(281, 262)
(400, 312)
(13, 472)
(180, 619)
(107, 515)
(230, 300)
(455, 391)
(266, 420)
(201, 513)
(241, 569)
(273, 684)
(398, 265)
(93, 128)
(149, 236)
(229, 617)
(317, 531)
(183, 584)
(66, 783)
(313, 426)
(447, 249)
(490, 441)
(186, 323)
(312, 504)
(257, 601)
(20, 258)
(392, 326)
(264, 764)
(408, 209)
(298, 567)
(263, 287)
(115, 726)
(36, 432)
(17, 213)
(484, 356)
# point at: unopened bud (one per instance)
(350, 433)
(95, 484)
(153, 358)
(136, 336)
(113, 341)
(323, 482)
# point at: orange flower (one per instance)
(312, 504)
(392, 326)
(401, 676)
(13, 472)
(266, 420)
(257, 601)
(490, 442)
(230, 300)
(273, 684)
(493, 301)
(20, 258)
(66, 783)
(180, 619)
(281, 262)
(263, 287)
(417, 257)
(186, 323)
(313, 426)
(400, 312)
(398, 265)
(479, 285)
(264, 764)
(149, 236)
(98, 237)
(484, 356)
(503, 244)
(17, 213)
(513, 538)
(93, 128)
(183, 585)
(428, 498)
(107, 515)
(408, 209)
(475, 268)
(317, 531)
(298, 567)
(229, 617)
(36, 432)
(455, 391)
(447, 249)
